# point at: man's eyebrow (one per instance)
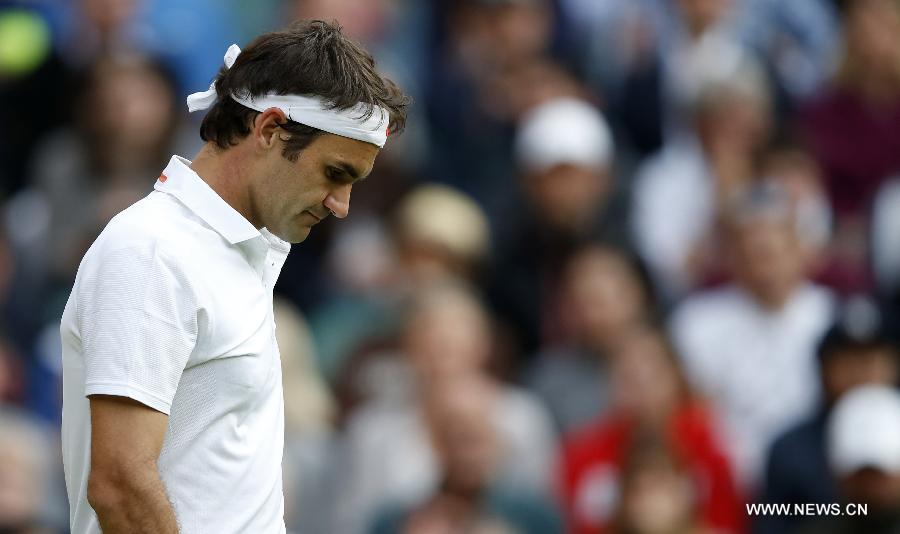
(349, 169)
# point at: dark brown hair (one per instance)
(309, 58)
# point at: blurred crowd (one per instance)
(633, 265)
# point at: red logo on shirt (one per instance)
(163, 177)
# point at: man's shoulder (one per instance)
(805, 435)
(155, 226)
(157, 221)
(711, 304)
(673, 166)
(815, 298)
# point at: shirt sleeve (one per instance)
(138, 320)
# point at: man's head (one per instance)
(25, 478)
(459, 412)
(765, 253)
(863, 444)
(658, 493)
(564, 148)
(441, 233)
(700, 15)
(447, 332)
(296, 174)
(127, 114)
(857, 350)
(606, 292)
(648, 381)
(731, 109)
(489, 34)
(871, 40)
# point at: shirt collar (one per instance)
(180, 181)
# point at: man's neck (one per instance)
(775, 301)
(222, 171)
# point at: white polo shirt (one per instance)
(756, 366)
(172, 307)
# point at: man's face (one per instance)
(878, 489)
(850, 367)
(767, 258)
(568, 197)
(289, 197)
(604, 295)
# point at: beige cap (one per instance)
(442, 216)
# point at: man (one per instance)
(750, 346)
(859, 349)
(730, 120)
(863, 449)
(564, 150)
(28, 504)
(173, 408)
(470, 494)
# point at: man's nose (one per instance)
(338, 202)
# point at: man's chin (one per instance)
(295, 235)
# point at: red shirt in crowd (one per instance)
(593, 459)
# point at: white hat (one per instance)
(864, 430)
(563, 131)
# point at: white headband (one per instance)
(309, 110)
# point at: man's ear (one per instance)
(266, 128)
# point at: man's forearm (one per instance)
(135, 504)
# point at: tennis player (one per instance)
(173, 414)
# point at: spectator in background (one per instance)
(703, 47)
(395, 30)
(309, 433)
(649, 59)
(519, 88)
(864, 453)
(607, 293)
(127, 125)
(468, 498)
(34, 88)
(857, 350)
(616, 47)
(437, 234)
(441, 234)
(471, 135)
(650, 397)
(29, 466)
(27, 377)
(362, 262)
(96, 28)
(564, 150)
(658, 496)
(788, 166)
(389, 460)
(731, 119)
(853, 126)
(749, 346)
(796, 40)
(100, 28)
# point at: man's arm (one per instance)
(124, 487)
